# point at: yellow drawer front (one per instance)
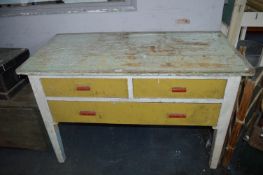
(135, 113)
(81, 87)
(178, 88)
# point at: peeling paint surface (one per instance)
(137, 53)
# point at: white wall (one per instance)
(152, 15)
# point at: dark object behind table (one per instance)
(252, 51)
(10, 82)
(21, 125)
(20, 121)
(256, 138)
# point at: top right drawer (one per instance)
(179, 88)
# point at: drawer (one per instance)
(178, 88)
(135, 113)
(81, 87)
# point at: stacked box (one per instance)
(10, 82)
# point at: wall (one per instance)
(152, 15)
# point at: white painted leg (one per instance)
(243, 33)
(261, 59)
(224, 119)
(51, 126)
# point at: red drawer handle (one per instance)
(87, 113)
(83, 88)
(174, 115)
(178, 89)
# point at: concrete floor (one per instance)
(118, 150)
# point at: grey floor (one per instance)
(129, 150)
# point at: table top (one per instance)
(159, 53)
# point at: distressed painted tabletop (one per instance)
(137, 53)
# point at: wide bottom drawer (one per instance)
(135, 113)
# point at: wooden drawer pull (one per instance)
(87, 113)
(83, 88)
(178, 89)
(174, 115)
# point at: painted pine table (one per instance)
(189, 79)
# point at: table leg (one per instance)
(224, 119)
(51, 126)
(243, 33)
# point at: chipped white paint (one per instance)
(51, 126)
(224, 119)
(130, 88)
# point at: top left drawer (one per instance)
(85, 87)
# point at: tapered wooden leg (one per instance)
(224, 119)
(51, 126)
